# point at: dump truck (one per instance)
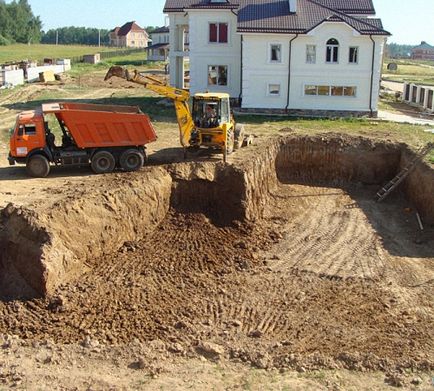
(104, 136)
(209, 124)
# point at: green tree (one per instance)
(17, 22)
(76, 35)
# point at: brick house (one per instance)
(130, 35)
(423, 52)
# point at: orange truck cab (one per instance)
(104, 136)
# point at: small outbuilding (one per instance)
(92, 58)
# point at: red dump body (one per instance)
(98, 126)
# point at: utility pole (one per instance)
(99, 38)
(57, 37)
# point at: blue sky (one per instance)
(410, 21)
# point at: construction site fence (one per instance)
(110, 54)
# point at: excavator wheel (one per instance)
(239, 136)
(131, 160)
(103, 162)
(194, 151)
(38, 166)
(229, 147)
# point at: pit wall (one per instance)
(419, 187)
(41, 250)
(336, 161)
(46, 249)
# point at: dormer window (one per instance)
(332, 52)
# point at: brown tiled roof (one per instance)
(128, 27)
(359, 7)
(424, 45)
(161, 30)
(158, 46)
(273, 16)
(181, 5)
(270, 16)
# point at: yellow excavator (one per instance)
(210, 123)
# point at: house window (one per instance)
(330, 90)
(274, 89)
(311, 54)
(275, 53)
(218, 32)
(350, 91)
(337, 91)
(310, 90)
(354, 55)
(332, 52)
(217, 75)
(323, 90)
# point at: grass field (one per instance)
(413, 71)
(19, 52)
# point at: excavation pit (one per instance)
(282, 260)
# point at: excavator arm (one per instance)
(179, 96)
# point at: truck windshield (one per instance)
(28, 130)
(206, 113)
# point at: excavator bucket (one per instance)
(116, 71)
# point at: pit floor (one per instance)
(329, 279)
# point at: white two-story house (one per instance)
(160, 48)
(313, 57)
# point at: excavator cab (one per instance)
(214, 126)
(210, 111)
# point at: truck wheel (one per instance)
(38, 166)
(103, 162)
(132, 160)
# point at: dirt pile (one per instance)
(284, 260)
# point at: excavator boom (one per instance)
(179, 96)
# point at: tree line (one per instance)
(395, 50)
(76, 35)
(80, 35)
(18, 24)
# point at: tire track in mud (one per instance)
(328, 239)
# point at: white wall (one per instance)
(13, 78)
(258, 72)
(160, 38)
(33, 73)
(203, 53)
(177, 21)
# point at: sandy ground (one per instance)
(329, 286)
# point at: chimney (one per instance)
(292, 6)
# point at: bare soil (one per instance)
(280, 261)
